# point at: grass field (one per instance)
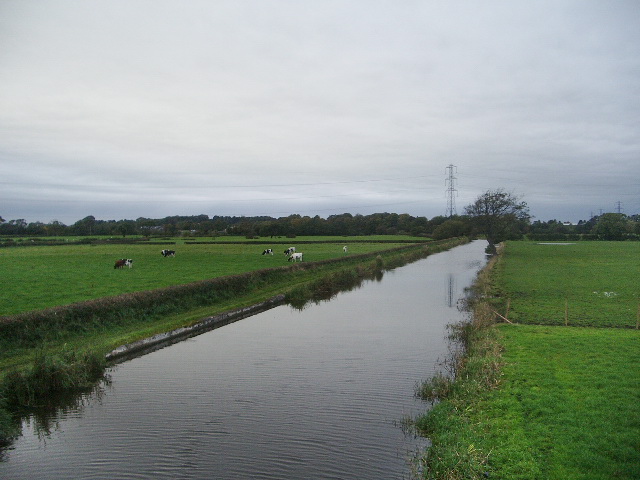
(41, 277)
(541, 402)
(598, 283)
(569, 403)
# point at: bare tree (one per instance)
(498, 215)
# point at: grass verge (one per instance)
(534, 402)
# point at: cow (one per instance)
(295, 257)
(345, 249)
(268, 251)
(168, 253)
(290, 250)
(123, 262)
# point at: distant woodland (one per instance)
(609, 226)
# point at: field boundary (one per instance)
(564, 312)
(302, 242)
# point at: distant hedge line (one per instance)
(302, 242)
(573, 237)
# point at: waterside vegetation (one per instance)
(550, 402)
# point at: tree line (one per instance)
(496, 214)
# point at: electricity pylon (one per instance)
(451, 190)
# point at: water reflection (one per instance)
(451, 289)
(45, 418)
(328, 288)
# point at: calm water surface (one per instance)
(285, 394)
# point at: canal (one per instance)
(317, 393)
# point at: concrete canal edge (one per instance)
(160, 340)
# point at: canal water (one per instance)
(317, 393)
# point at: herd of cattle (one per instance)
(292, 256)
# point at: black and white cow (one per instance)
(168, 253)
(268, 251)
(290, 250)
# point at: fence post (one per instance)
(638, 318)
(506, 315)
(566, 312)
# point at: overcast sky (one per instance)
(127, 109)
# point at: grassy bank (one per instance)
(95, 327)
(537, 402)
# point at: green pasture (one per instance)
(569, 405)
(546, 402)
(586, 283)
(45, 276)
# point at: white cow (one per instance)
(290, 250)
(345, 249)
(295, 257)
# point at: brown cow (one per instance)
(123, 262)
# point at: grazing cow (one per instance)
(290, 250)
(345, 249)
(168, 253)
(295, 257)
(123, 262)
(268, 251)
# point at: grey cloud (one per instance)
(135, 108)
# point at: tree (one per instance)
(55, 228)
(611, 226)
(499, 215)
(84, 226)
(453, 227)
